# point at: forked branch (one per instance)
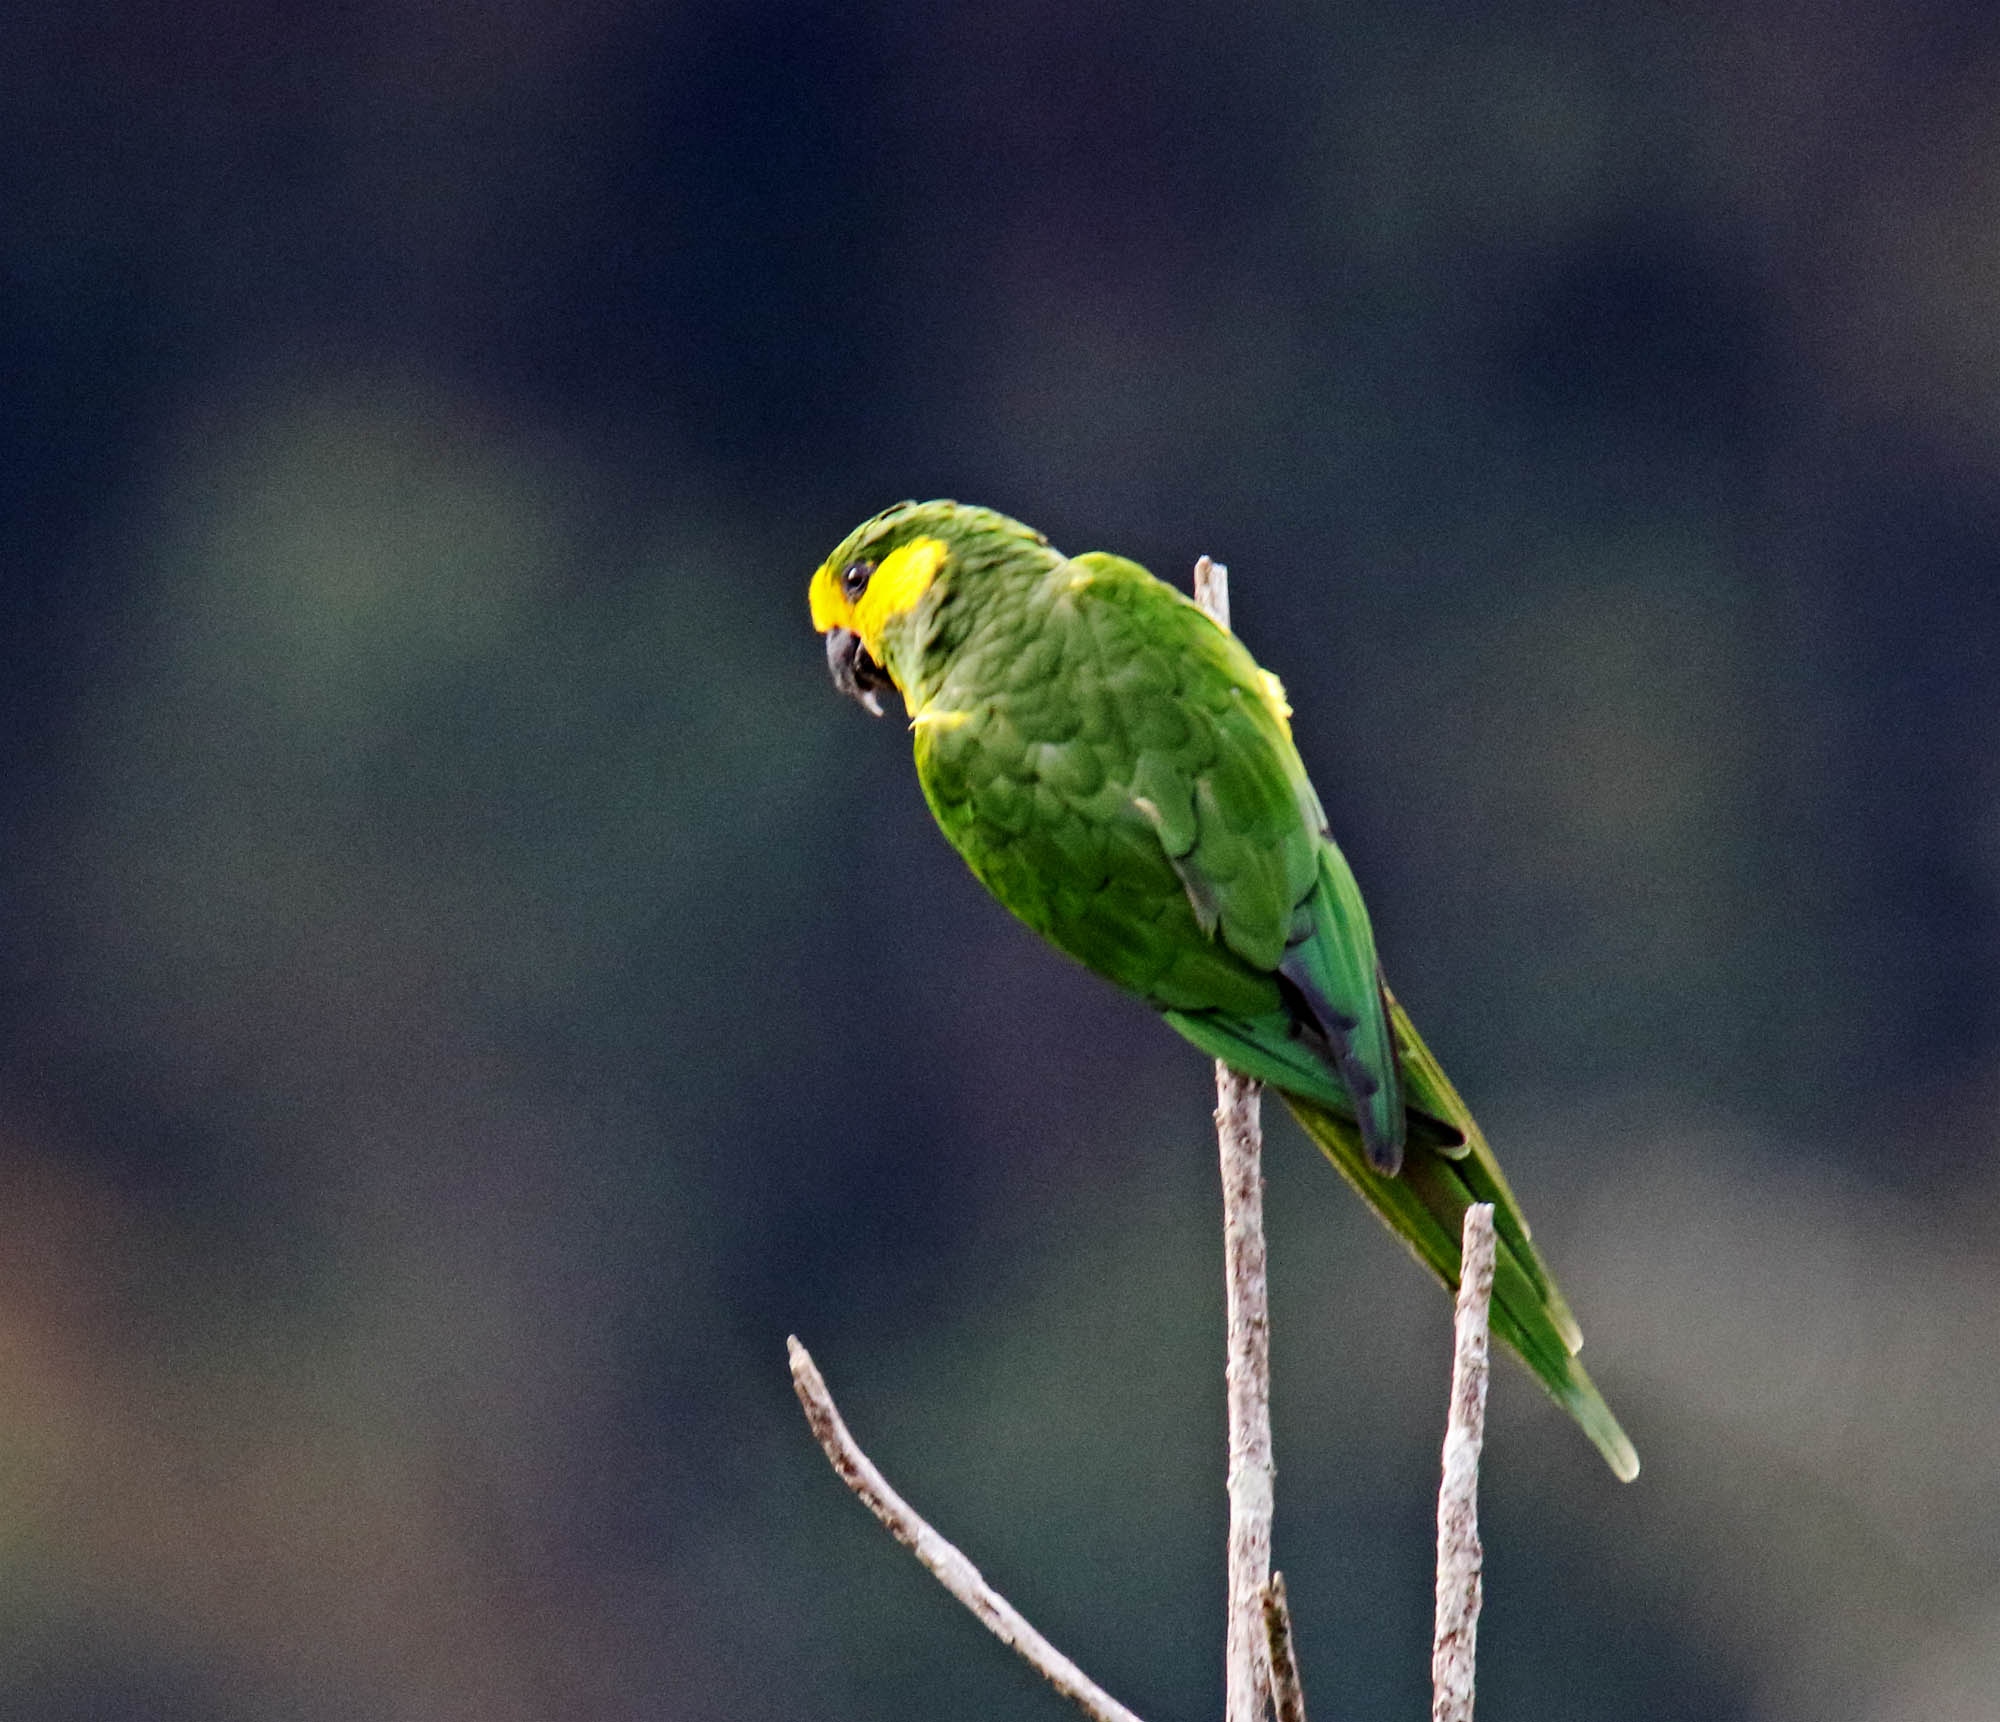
(1261, 1661)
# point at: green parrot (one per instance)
(1118, 771)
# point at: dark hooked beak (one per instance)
(854, 672)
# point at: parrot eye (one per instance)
(854, 579)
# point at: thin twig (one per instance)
(950, 1568)
(1459, 1558)
(1240, 1140)
(1288, 1698)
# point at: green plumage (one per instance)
(1117, 770)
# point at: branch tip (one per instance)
(1288, 1699)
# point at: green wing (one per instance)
(1119, 775)
(1239, 824)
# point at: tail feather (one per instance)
(1425, 1205)
(1432, 1091)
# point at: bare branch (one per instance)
(1240, 1140)
(1288, 1698)
(950, 1568)
(1459, 1558)
(1248, 1377)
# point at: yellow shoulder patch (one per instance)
(1275, 701)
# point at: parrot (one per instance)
(1120, 773)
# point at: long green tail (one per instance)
(1425, 1205)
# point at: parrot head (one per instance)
(868, 596)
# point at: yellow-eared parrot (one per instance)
(1119, 772)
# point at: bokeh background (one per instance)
(470, 988)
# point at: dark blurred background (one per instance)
(471, 988)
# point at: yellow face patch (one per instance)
(830, 609)
(902, 577)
